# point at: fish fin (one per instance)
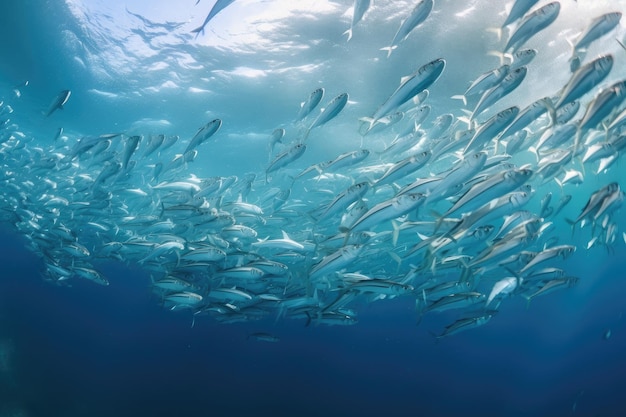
(621, 44)
(559, 183)
(198, 31)
(460, 97)
(397, 226)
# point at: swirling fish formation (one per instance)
(440, 215)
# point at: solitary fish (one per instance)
(59, 102)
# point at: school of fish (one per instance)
(442, 215)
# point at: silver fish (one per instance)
(358, 11)
(411, 86)
(204, 133)
(59, 102)
(417, 16)
(532, 24)
(307, 106)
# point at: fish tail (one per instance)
(559, 183)
(389, 49)
(396, 231)
(349, 33)
(551, 110)
(496, 31)
(198, 31)
(460, 97)
(528, 299)
(499, 55)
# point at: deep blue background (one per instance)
(114, 351)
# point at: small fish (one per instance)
(286, 158)
(307, 106)
(532, 24)
(276, 137)
(129, 148)
(519, 9)
(417, 16)
(584, 79)
(598, 27)
(59, 102)
(358, 11)
(330, 111)
(410, 87)
(491, 96)
(484, 82)
(204, 133)
(263, 337)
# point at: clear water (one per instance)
(136, 68)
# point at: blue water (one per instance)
(84, 349)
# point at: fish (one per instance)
(217, 7)
(595, 202)
(403, 168)
(490, 188)
(343, 200)
(504, 286)
(603, 105)
(284, 243)
(464, 324)
(276, 137)
(285, 158)
(410, 87)
(335, 261)
(388, 210)
(59, 102)
(584, 79)
(129, 148)
(332, 109)
(307, 106)
(263, 337)
(484, 82)
(532, 24)
(204, 133)
(519, 9)
(358, 11)
(418, 15)
(512, 80)
(491, 128)
(598, 27)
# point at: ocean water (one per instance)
(71, 347)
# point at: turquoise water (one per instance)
(70, 346)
